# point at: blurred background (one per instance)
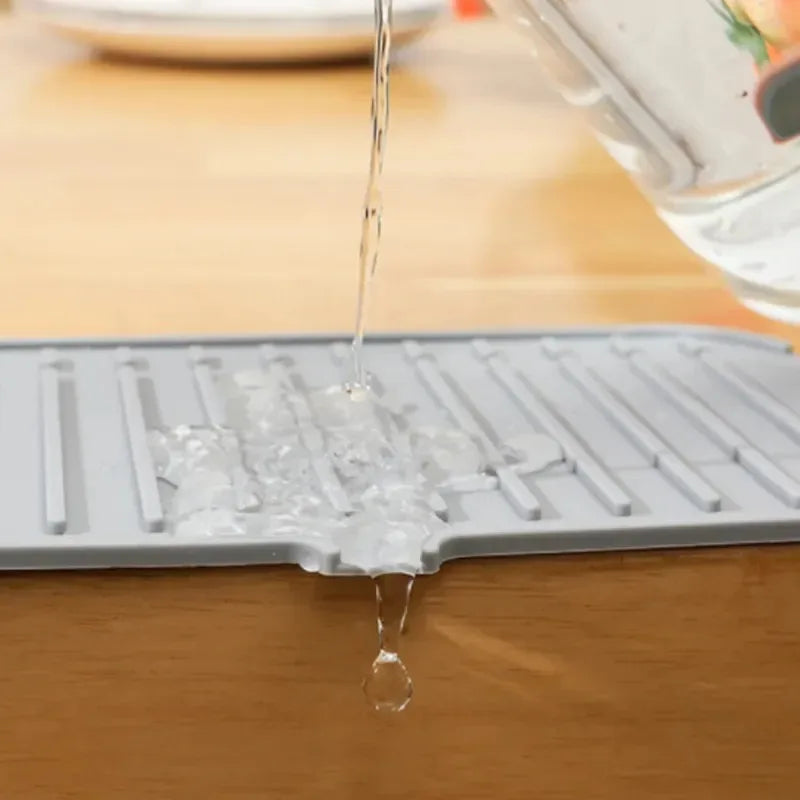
(155, 196)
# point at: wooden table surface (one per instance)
(142, 200)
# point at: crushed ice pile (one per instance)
(298, 464)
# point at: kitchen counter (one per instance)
(155, 200)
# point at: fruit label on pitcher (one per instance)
(769, 30)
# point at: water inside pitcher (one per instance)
(699, 100)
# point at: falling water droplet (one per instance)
(388, 685)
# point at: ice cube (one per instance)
(257, 402)
(357, 453)
(245, 490)
(178, 452)
(376, 545)
(203, 489)
(446, 452)
(182, 432)
(206, 522)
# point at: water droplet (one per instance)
(388, 685)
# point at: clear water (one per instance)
(338, 468)
(373, 200)
(673, 100)
(754, 238)
(388, 685)
(304, 465)
(314, 464)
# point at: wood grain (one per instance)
(142, 199)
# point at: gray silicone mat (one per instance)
(672, 437)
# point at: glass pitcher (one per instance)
(699, 100)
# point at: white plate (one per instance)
(230, 31)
